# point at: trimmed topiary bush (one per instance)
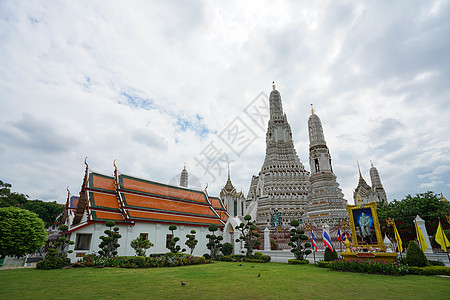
(248, 235)
(191, 242)
(215, 244)
(265, 258)
(322, 264)
(436, 263)
(53, 261)
(227, 249)
(431, 270)
(140, 244)
(109, 242)
(415, 256)
(330, 255)
(297, 239)
(172, 242)
(298, 262)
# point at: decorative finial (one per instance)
(359, 170)
(312, 109)
(228, 170)
(85, 161)
(273, 85)
(184, 165)
(115, 167)
(68, 190)
(371, 163)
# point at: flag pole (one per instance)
(314, 254)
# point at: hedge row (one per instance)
(298, 262)
(432, 270)
(322, 264)
(168, 260)
(53, 262)
(368, 266)
(257, 258)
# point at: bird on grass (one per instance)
(183, 284)
(252, 266)
(259, 275)
(240, 265)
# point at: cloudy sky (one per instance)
(156, 84)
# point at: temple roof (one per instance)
(128, 199)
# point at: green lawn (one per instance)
(220, 280)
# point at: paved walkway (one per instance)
(18, 263)
(13, 262)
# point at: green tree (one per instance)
(298, 237)
(330, 255)
(427, 205)
(172, 242)
(10, 199)
(56, 257)
(191, 242)
(47, 211)
(140, 244)
(21, 232)
(214, 244)
(109, 242)
(249, 235)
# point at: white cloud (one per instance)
(151, 84)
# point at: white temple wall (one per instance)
(157, 233)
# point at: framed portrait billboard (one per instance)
(365, 226)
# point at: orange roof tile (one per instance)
(165, 204)
(216, 203)
(150, 201)
(106, 215)
(172, 218)
(103, 200)
(101, 182)
(140, 185)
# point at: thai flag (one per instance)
(313, 241)
(327, 240)
(340, 237)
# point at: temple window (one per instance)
(144, 236)
(83, 241)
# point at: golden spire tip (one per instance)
(273, 85)
(312, 109)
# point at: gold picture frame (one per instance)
(365, 226)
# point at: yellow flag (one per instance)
(421, 239)
(441, 239)
(398, 239)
